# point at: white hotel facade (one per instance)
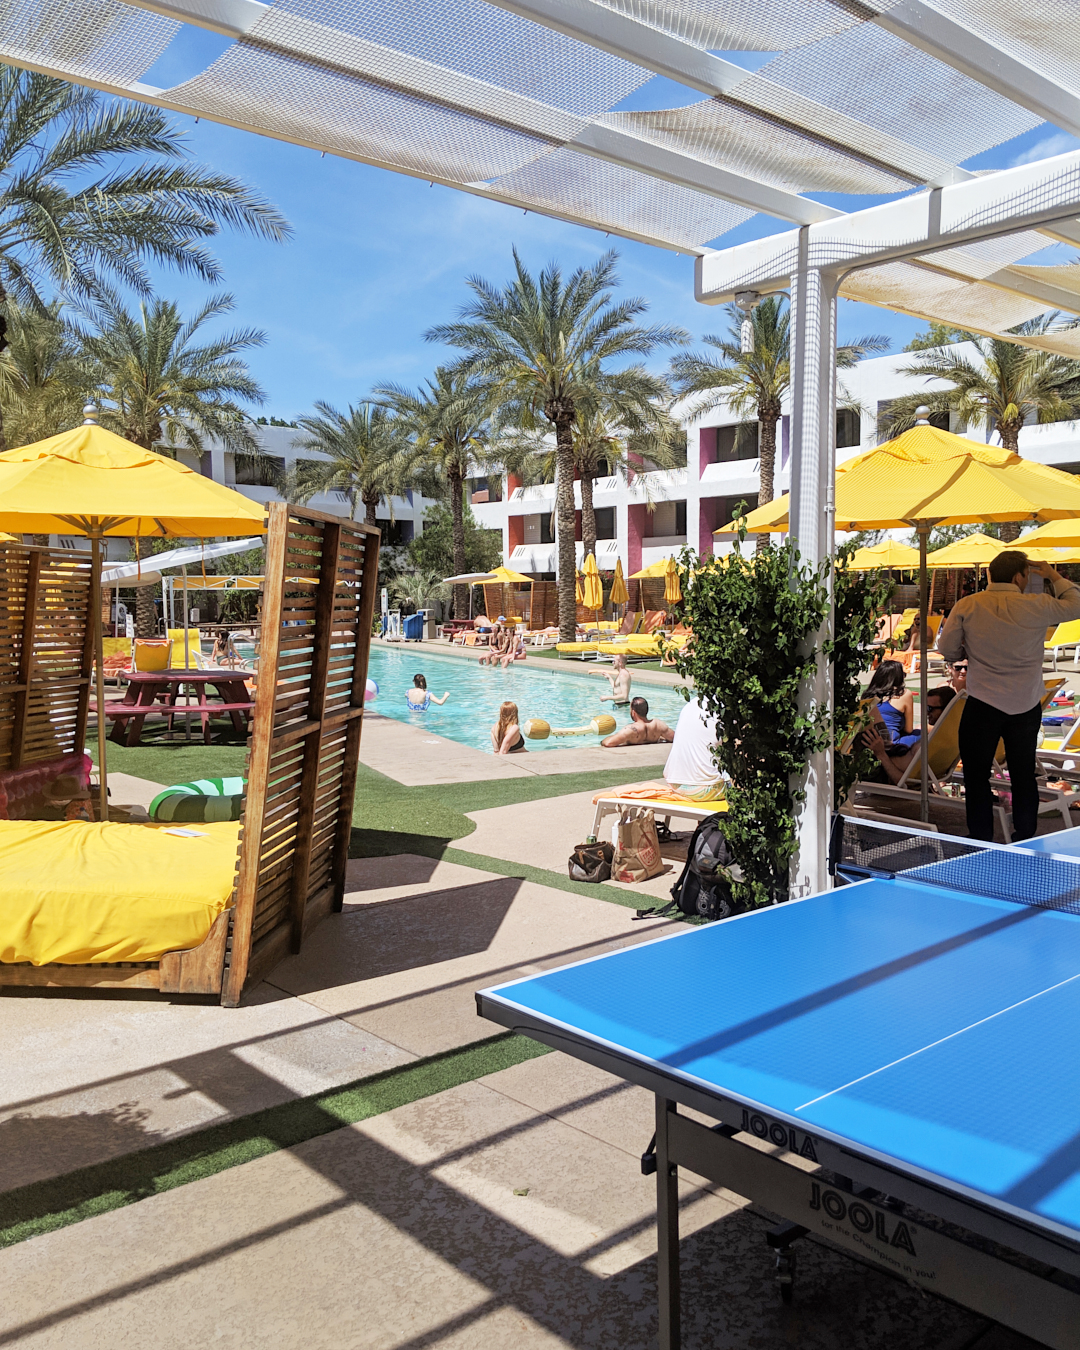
(689, 504)
(641, 522)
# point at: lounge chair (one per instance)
(1064, 635)
(943, 755)
(148, 654)
(610, 801)
(589, 645)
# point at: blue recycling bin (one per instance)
(413, 625)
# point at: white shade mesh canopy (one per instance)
(523, 101)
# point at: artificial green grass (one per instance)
(45, 1206)
(390, 818)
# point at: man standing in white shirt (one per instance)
(1001, 632)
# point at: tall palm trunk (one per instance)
(588, 513)
(3, 344)
(457, 521)
(564, 517)
(1010, 440)
(145, 611)
(767, 419)
(370, 503)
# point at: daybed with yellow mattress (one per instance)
(210, 909)
(115, 904)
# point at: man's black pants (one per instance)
(981, 728)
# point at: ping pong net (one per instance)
(862, 849)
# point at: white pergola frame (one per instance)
(812, 263)
(813, 260)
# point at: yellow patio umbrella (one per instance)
(672, 589)
(974, 550)
(653, 572)
(508, 577)
(579, 594)
(929, 477)
(619, 594)
(593, 597)
(889, 553)
(88, 481)
(1055, 534)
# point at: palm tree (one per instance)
(542, 346)
(43, 383)
(364, 451)
(1005, 386)
(613, 436)
(74, 214)
(449, 422)
(421, 588)
(753, 384)
(165, 389)
(162, 389)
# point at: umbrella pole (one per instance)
(99, 667)
(924, 605)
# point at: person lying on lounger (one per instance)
(642, 730)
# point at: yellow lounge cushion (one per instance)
(80, 893)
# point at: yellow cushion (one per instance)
(149, 655)
(80, 893)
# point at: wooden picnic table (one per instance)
(157, 691)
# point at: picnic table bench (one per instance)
(157, 692)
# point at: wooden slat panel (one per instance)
(321, 574)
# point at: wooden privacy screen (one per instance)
(318, 601)
(46, 654)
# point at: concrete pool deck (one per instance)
(417, 757)
(506, 1211)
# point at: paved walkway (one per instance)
(507, 1211)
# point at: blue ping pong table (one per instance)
(909, 1043)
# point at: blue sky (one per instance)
(377, 257)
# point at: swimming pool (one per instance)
(469, 713)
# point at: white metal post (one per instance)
(813, 455)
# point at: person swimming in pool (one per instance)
(506, 737)
(620, 683)
(418, 697)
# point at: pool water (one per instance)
(563, 699)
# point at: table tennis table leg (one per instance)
(667, 1232)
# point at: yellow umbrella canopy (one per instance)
(889, 553)
(619, 594)
(974, 550)
(579, 594)
(593, 597)
(1055, 534)
(508, 577)
(928, 476)
(89, 481)
(653, 572)
(672, 589)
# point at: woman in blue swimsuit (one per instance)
(418, 698)
(896, 705)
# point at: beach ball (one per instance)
(370, 690)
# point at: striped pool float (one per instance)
(204, 800)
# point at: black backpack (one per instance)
(704, 885)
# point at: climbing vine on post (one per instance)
(755, 619)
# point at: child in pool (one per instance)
(418, 697)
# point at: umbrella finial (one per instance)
(90, 415)
(922, 416)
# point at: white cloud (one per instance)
(1060, 143)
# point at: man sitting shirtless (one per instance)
(620, 683)
(643, 729)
